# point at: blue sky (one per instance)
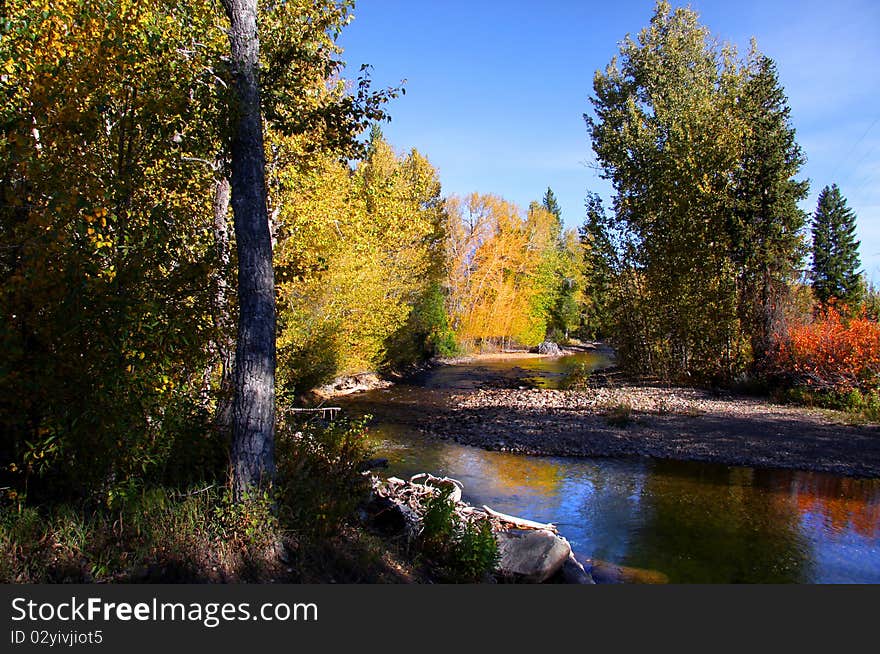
(496, 90)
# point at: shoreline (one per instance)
(682, 424)
(625, 418)
(369, 380)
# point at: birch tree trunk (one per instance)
(253, 419)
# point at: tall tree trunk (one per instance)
(253, 420)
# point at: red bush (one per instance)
(832, 353)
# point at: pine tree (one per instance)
(550, 203)
(835, 250)
(766, 230)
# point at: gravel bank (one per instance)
(667, 423)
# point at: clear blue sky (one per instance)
(496, 89)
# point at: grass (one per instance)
(857, 406)
(618, 415)
(304, 530)
(157, 536)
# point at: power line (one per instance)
(853, 148)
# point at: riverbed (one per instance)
(677, 521)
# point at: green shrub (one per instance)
(475, 554)
(577, 378)
(462, 551)
(439, 522)
(319, 482)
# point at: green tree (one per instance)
(835, 250)
(664, 134)
(550, 203)
(767, 224)
(599, 263)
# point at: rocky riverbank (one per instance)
(528, 552)
(666, 423)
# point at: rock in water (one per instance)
(574, 573)
(550, 348)
(531, 555)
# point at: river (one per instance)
(683, 522)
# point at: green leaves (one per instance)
(835, 268)
(701, 155)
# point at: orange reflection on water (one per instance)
(844, 504)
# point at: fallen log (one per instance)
(521, 523)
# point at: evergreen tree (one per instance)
(550, 203)
(835, 250)
(565, 313)
(598, 262)
(766, 230)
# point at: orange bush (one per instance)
(832, 353)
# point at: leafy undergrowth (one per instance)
(831, 363)
(304, 532)
(460, 551)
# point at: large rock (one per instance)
(531, 555)
(550, 348)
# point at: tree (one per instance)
(664, 134)
(550, 204)
(253, 421)
(707, 231)
(598, 261)
(104, 255)
(565, 313)
(766, 230)
(835, 250)
(359, 259)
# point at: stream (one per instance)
(682, 522)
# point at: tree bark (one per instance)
(253, 419)
(224, 346)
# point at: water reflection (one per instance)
(692, 522)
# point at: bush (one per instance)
(831, 355)
(578, 378)
(319, 482)
(619, 415)
(462, 551)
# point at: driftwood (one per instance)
(440, 483)
(409, 498)
(325, 411)
(422, 486)
(520, 523)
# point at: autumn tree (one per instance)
(307, 103)
(503, 271)
(104, 249)
(115, 283)
(360, 261)
(835, 250)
